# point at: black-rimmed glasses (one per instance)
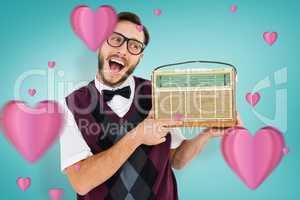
(134, 46)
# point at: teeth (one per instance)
(117, 61)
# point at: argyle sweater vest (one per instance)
(147, 174)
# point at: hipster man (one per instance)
(116, 150)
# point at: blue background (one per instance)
(33, 32)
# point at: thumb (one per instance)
(151, 114)
(239, 121)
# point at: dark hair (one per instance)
(129, 16)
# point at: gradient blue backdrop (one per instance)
(33, 32)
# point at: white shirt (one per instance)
(120, 105)
(74, 148)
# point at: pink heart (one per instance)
(55, 193)
(93, 27)
(0, 120)
(285, 151)
(24, 183)
(157, 12)
(233, 8)
(252, 158)
(51, 64)
(140, 28)
(253, 98)
(77, 166)
(32, 130)
(31, 91)
(178, 116)
(270, 37)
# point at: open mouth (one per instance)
(115, 65)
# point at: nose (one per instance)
(122, 50)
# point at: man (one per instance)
(118, 151)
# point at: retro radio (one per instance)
(202, 96)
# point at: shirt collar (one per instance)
(128, 82)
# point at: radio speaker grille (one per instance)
(212, 104)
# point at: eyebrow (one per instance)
(129, 37)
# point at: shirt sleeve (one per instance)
(176, 138)
(73, 147)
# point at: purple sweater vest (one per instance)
(151, 164)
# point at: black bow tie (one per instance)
(109, 94)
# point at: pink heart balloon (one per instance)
(31, 91)
(252, 158)
(32, 130)
(285, 151)
(0, 120)
(233, 8)
(55, 193)
(77, 166)
(23, 183)
(93, 27)
(178, 116)
(51, 64)
(253, 98)
(157, 12)
(270, 37)
(140, 28)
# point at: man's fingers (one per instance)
(151, 114)
(163, 132)
(214, 131)
(169, 123)
(239, 121)
(163, 139)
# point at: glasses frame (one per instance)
(126, 39)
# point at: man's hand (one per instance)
(151, 131)
(217, 132)
(98, 168)
(190, 148)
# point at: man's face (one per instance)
(117, 63)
